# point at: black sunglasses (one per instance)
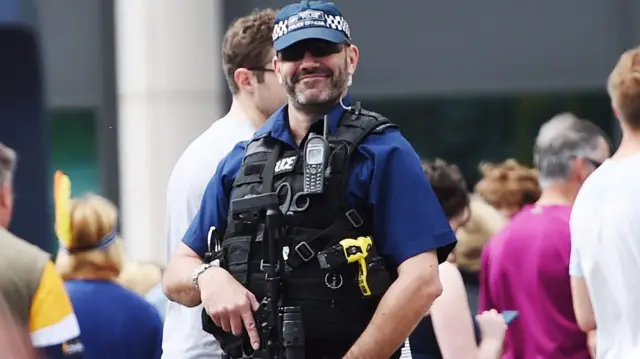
(260, 69)
(593, 162)
(317, 48)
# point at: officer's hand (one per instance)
(229, 303)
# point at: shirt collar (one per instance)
(277, 126)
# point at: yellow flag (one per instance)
(62, 207)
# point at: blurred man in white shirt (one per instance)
(247, 53)
(605, 230)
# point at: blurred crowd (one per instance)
(513, 252)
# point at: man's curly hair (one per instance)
(508, 184)
(248, 44)
(449, 186)
(623, 87)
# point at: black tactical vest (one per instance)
(334, 310)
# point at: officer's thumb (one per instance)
(254, 302)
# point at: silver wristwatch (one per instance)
(201, 269)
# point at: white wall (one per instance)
(168, 75)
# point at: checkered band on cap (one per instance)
(335, 22)
(338, 23)
(279, 29)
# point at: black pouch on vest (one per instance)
(379, 277)
(236, 254)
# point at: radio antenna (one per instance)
(325, 129)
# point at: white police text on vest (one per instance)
(285, 164)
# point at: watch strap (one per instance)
(201, 269)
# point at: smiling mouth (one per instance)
(314, 76)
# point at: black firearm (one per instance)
(272, 328)
(281, 331)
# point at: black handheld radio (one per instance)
(316, 153)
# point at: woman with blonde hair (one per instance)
(114, 321)
(508, 186)
(484, 221)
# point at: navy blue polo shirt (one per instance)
(386, 174)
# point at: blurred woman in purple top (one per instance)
(525, 267)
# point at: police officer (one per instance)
(315, 204)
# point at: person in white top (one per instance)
(247, 51)
(605, 230)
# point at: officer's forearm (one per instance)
(399, 311)
(177, 282)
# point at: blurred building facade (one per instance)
(128, 84)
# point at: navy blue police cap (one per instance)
(309, 20)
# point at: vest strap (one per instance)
(268, 172)
(269, 168)
(305, 251)
(355, 129)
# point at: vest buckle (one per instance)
(356, 111)
(264, 265)
(304, 251)
(354, 218)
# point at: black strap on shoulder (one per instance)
(267, 186)
(356, 125)
(353, 128)
(270, 167)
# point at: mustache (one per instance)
(312, 71)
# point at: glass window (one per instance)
(468, 130)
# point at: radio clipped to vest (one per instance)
(373, 277)
(315, 164)
(316, 158)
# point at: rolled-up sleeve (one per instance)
(408, 219)
(575, 265)
(215, 202)
(575, 268)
